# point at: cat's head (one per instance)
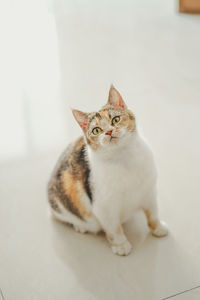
(111, 125)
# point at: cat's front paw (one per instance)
(122, 249)
(161, 230)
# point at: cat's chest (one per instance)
(119, 178)
(125, 175)
(127, 171)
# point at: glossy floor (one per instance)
(57, 54)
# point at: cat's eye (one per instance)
(96, 130)
(115, 120)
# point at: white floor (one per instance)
(66, 54)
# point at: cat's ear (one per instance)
(115, 98)
(81, 118)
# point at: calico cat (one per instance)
(106, 175)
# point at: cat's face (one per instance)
(110, 125)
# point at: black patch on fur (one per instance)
(52, 200)
(60, 171)
(87, 185)
(86, 170)
(98, 115)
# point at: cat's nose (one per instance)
(109, 132)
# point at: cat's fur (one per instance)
(101, 180)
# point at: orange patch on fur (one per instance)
(131, 121)
(70, 187)
(104, 114)
(152, 223)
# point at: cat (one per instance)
(106, 175)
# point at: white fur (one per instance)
(90, 224)
(124, 179)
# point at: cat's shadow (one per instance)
(101, 273)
